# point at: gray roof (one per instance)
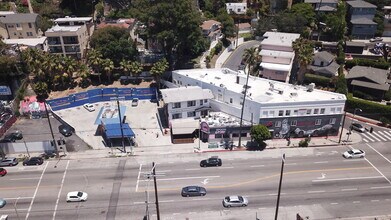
(383, 87)
(330, 70)
(376, 75)
(19, 18)
(355, 44)
(319, 1)
(360, 4)
(326, 8)
(324, 56)
(362, 21)
(183, 94)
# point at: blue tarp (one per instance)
(114, 131)
(5, 90)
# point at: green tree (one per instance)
(265, 23)
(114, 43)
(227, 23)
(304, 54)
(95, 60)
(259, 133)
(135, 68)
(341, 84)
(108, 67)
(291, 23)
(336, 23)
(305, 10)
(158, 69)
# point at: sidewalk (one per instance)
(227, 52)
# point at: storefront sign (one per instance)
(204, 127)
(220, 131)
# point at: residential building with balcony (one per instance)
(360, 16)
(277, 55)
(287, 110)
(19, 26)
(70, 36)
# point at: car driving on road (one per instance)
(8, 161)
(212, 161)
(357, 127)
(3, 172)
(354, 153)
(77, 196)
(193, 191)
(235, 201)
(2, 203)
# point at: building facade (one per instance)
(236, 8)
(277, 55)
(323, 5)
(70, 36)
(19, 26)
(360, 17)
(287, 110)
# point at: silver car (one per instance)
(234, 201)
(8, 161)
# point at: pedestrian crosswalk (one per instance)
(377, 136)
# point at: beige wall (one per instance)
(23, 31)
(3, 31)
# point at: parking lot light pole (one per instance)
(51, 130)
(279, 186)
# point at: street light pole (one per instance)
(156, 194)
(279, 186)
(199, 136)
(120, 125)
(343, 124)
(242, 110)
(51, 130)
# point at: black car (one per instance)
(193, 191)
(212, 161)
(12, 137)
(33, 161)
(65, 130)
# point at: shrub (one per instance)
(384, 120)
(370, 109)
(318, 80)
(304, 143)
(218, 47)
(387, 95)
(381, 64)
(363, 95)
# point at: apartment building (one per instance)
(277, 55)
(70, 36)
(236, 8)
(360, 18)
(287, 110)
(19, 26)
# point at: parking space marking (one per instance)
(31, 178)
(36, 190)
(19, 198)
(59, 192)
(321, 162)
(138, 177)
(193, 169)
(380, 187)
(349, 189)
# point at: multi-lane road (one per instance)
(317, 182)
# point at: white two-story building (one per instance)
(287, 110)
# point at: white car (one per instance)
(77, 196)
(135, 102)
(376, 39)
(89, 107)
(235, 201)
(354, 153)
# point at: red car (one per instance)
(3, 172)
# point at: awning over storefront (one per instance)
(184, 126)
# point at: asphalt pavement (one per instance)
(233, 61)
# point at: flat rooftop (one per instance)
(57, 28)
(74, 19)
(279, 38)
(260, 90)
(26, 41)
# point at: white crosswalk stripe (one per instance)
(365, 140)
(381, 137)
(367, 137)
(377, 136)
(385, 135)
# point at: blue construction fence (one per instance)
(102, 95)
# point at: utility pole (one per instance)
(241, 113)
(51, 130)
(279, 186)
(156, 195)
(343, 124)
(120, 124)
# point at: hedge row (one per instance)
(381, 64)
(369, 109)
(318, 80)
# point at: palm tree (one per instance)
(108, 67)
(158, 69)
(252, 59)
(95, 60)
(304, 54)
(124, 65)
(84, 73)
(135, 68)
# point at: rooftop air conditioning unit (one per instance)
(311, 87)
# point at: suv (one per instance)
(13, 136)
(212, 161)
(8, 161)
(33, 161)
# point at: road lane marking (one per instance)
(381, 137)
(36, 190)
(373, 136)
(321, 162)
(30, 178)
(164, 171)
(192, 169)
(356, 201)
(164, 201)
(387, 135)
(352, 178)
(375, 200)
(367, 137)
(225, 167)
(258, 166)
(185, 178)
(59, 192)
(379, 153)
(318, 191)
(334, 203)
(15, 198)
(380, 187)
(290, 164)
(12, 210)
(378, 171)
(138, 177)
(349, 189)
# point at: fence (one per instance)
(101, 95)
(7, 125)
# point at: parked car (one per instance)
(77, 196)
(376, 39)
(8, 161)
(135, 102)
(212, 161)
(65, 130)
(358, 127)
(193, 191)
(235, 201)
(89, 107)
(3, 172)
(33, 161)
(354, 153)
(12, 137)
(2, 203)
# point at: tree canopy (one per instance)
(114, 43)
(305, 10)
(259, 133)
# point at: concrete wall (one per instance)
(32, 147)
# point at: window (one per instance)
(294, 123)
(281, 113)
(30, 25)
(309, 111)
(277, 124)
(17, 25)
(176, 105)
(316, 111)
(332, 121)
(295, 112)
(332, 110)
(230, 100)
(218, 136)
(205, 101)
(201, 102)
(322, 111)
(191, 114)
(271, 113)
(318, 121)
(339, 110)
(191, 103)
(288, 112)
(265, 113)
(30, 34)
(177, 115)
(10, 26)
